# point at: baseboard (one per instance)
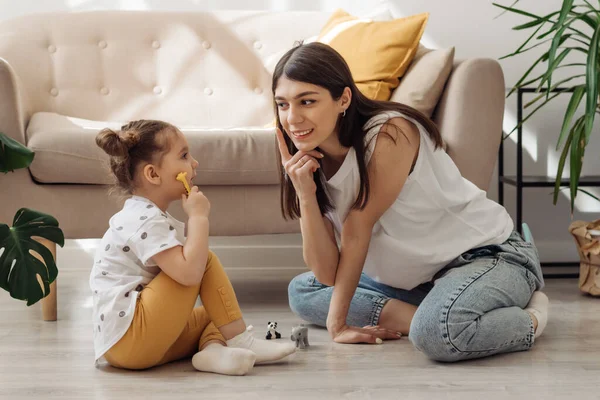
(279, 257)
(260, 257)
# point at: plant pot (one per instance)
(587, 239)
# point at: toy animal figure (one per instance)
(272, 331)
(300, 336)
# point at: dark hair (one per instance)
(136, 142)
(319, 64)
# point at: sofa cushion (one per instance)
(66, 152)
(423, 83)
(180, 66)
(377, 52)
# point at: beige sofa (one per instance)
(64, 76)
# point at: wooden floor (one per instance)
(54, 360)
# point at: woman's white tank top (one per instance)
(437, 216)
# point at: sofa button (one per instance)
(156, 44)
(258, 90)
(52, 49)
(206, 45)
(102, 44)
(157, 90)
(104, 91)
(54, 92)
(208, 91)
(258, 45)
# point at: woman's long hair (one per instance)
(319, 64)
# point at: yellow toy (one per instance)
(182, 177)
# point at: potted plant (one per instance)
(27, 249)
(573, 29)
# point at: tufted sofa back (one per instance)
(202, 69)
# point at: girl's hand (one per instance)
(195, 204)
(300, 167)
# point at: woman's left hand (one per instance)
(368, 334)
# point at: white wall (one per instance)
(471, 26)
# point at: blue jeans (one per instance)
(472, 308)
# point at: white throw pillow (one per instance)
(424, 81)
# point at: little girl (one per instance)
(147, 275)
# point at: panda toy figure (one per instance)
(272, 331)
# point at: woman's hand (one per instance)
(299, 168)
(343, 333)
(195, 204)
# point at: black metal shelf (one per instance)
(521, 181)
(545, 181)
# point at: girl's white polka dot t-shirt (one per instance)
(123, 266)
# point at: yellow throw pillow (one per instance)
(377, 52)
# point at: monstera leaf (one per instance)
(19, 269)
(13, 155)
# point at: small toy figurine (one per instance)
(182, 177)
(300, 336)
(272, 332)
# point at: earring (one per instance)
(344, 114)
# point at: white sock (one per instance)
(265, 350)
(538, 306)
(224, 360)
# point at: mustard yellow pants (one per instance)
(166, 326)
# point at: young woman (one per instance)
(397, 241)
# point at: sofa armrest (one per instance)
(469, 115)
(12, 115)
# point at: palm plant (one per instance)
(574, 29)
(23, 275)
